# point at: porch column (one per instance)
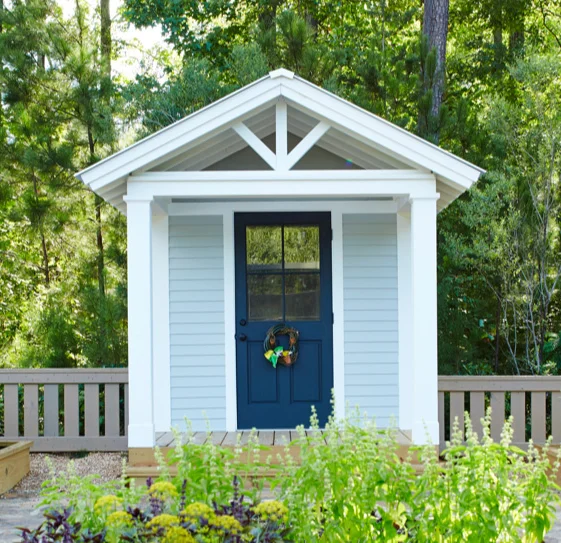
(405, 319)
(424, 321)
(139, 268)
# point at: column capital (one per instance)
(414, 197)
(137, 199)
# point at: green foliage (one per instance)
(346, 485)
(62, 252)
(59, 119)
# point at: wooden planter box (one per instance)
(14, 463)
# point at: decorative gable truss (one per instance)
(280, 128)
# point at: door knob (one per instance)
(242, 337)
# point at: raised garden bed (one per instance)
(14, 463)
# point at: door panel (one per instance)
(283, 274)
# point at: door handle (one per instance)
(242, 337)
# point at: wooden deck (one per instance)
(143, 464)
(269, 438)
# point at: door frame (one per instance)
(227, 211)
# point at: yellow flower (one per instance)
(194, 511)
(226, 523)
(163, 490)
(177, 534)
(164, 521)
(118, 519)
(107, 504)
(273, 510)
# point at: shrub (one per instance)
(349, 485)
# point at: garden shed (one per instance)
(281, 245)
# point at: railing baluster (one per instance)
(457, 410)
(91, 410)
(497, 414)
(477, 411)
(441, 416)
(556, 417)
(31, 410)
(518, 412)
(538, 417)
(51, 410)
(112, 410)
(71, 411)
(126, 409)
(11, 411)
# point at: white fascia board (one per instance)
(223, 112)
(354, 120)
(274, 184)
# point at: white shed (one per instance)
(281, 217)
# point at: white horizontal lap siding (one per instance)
(196, 284)
(370, 301)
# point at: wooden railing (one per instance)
(87, 409)
(533, 402)
(65, 410)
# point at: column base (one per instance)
(141, 435)
(425, 433)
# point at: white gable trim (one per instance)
(166, 143)
(347, 118)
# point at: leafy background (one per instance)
(481, 78)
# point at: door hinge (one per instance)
(332, 318)
(332, 234)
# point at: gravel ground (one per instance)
(107, 465)
(20, 506)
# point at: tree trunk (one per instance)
(105, 50)
(497, 334)
(44, 250)
(98, 201)
(435, 28)
(105, 36)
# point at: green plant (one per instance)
(352, 487)
(485, 491)
(349, 484)
(209, 469)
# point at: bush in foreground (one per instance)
(348, 485)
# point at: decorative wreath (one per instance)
(274, 353)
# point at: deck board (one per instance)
(164, 439)
(266, 437)
(230, 439)
(282, 438)
(199, 438)
(217, 437)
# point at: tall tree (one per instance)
(433, 55)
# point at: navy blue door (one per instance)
(283, 275)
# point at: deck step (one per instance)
(141, 473)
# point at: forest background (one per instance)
(482, 78)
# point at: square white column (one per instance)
(424, 321)
(160, 323)
(139, 266)
(405, 319)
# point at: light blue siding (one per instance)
(371, 323)
(196, 263)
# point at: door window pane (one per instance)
(264, 297)
(264, 248)
(301, 248)
(302, 296)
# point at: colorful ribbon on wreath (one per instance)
(276, 353)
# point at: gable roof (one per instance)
(373, 135)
